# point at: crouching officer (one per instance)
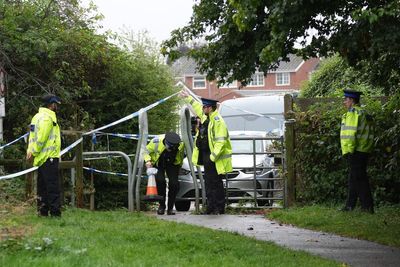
(166, 153)
(356, 139)
(44, 148)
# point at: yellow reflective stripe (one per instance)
(49, 148)
(226, 156)
(345, 127)
(156, 147)
(191, 101)
(213, 155)
(220, 138)
(347, 137)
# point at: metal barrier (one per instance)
(267, 185)
(188, 141)
(139, 157)
(131, 179)
(259, 184)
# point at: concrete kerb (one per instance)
(341, 249)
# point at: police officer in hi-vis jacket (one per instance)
(44, 149)
(166, 153)
(356, 140)
(212, 149)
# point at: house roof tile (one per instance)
(186, 66)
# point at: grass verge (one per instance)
(119, 238)
(382, 227)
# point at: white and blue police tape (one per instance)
(65, 150)
(12, 142)
(71, 146)
(133, 115)
(14, 175)
(104, 172)
(127, 136)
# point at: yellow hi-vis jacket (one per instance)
(44, 136)
(218, 139)
(356, 133)
(156, 146)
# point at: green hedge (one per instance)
(321, 170)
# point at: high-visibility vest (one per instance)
(218, 139)
(44, 136)
(356, 133)
(156, 147)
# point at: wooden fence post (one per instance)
(289, 145)
(79, 174)
(28, 180)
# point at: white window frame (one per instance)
(198, 79)
(257, 80)
(282, 78)
(229, 85)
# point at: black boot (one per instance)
(161, 210)
(170, 212)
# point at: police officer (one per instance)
(213, 150)
(166, 153)
(356, 139)
(44, 149)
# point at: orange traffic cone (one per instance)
(151, 192)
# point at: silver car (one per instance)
(247, 165)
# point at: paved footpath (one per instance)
(342, 249)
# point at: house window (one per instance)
(257, 80)
(199, 82)
(229, 85)
(283, 78)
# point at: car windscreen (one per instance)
(246, 146)
(247, 122)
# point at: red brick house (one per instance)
(285, 79)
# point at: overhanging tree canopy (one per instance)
(243, 35)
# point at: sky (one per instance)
(157, 17)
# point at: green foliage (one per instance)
(245, 36)
(322, 173)
(52, 46)
(334, 75)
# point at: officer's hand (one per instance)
(29, 157)
(148, 164)
(183, 93)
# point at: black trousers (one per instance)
(215, 192)
(172, 172)
(48, 188)
(358, 184)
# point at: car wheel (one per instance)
(270, 185)
(182, 205)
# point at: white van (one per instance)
(256, 113)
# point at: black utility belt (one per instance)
(53, 159)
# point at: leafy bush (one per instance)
(322, 173)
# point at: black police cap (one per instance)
(209, 102)
(49, 99)
(352, 93)
(172, 138)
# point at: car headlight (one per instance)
(259, 169)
